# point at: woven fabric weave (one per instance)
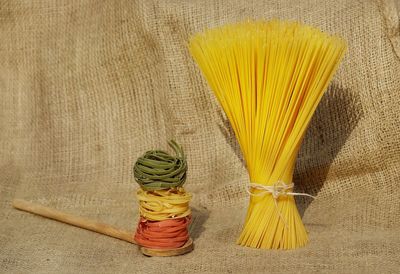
(89, 86)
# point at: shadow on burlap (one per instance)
(86, 87)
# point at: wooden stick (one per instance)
(74, 220)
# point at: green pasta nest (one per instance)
(157, 169)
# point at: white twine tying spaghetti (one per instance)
(276, 190)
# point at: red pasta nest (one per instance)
(167, 234)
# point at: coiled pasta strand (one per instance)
(165, 234)
(157, 169)
(158, 205)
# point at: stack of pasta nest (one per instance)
(163, 202)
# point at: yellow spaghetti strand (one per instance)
(159, 205)
(269, 78)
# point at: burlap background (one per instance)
(87, 86)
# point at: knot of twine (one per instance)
(279, 188)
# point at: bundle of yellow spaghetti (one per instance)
(269, 78)
(163, 202)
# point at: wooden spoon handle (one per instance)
(74, 220)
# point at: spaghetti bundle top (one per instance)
(163, 202)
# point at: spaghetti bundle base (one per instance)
(269, 78)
